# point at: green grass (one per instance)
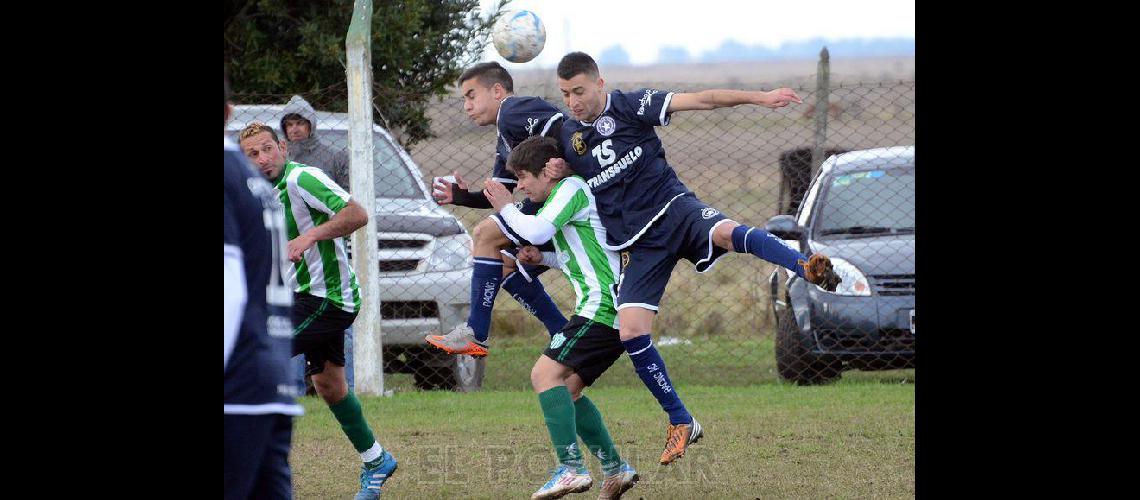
(850, 439)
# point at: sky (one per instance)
(641, 27)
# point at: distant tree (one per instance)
(613, 56)
(672, 54)
(419, 48)
(729, 50)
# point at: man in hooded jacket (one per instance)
(299, 126)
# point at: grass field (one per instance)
(851, 439)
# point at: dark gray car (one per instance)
(859, 211)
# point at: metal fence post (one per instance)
(822, 100)
(367, 343)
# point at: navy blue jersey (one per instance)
(623, 161)
(257, 373)
(519, 118)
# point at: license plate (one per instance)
(912, 321)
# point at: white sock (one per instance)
(372, 453)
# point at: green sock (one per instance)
(558, 409)
(596, 436)
(351, 418)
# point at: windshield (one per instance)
(867, 202)
(391, 177)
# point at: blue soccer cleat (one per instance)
(371, 479)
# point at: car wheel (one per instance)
(794, 361)
(449, 372)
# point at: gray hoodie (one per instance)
(316, 151)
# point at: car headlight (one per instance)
(451, 253)
(854, 282)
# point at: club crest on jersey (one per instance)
(709, 213)
(519, 205)
(578, 143)
(605, 126)
(530, 124)
(624, 260)
(557, 340)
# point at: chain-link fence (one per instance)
(741, 323)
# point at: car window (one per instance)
(866, 201)
(391, 177)
(808, 202)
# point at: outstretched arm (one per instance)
(723, 98)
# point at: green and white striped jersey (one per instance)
(593, 270)
(311, 198)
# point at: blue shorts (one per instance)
(256, 459)
(683, 232)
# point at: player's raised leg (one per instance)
(741, 238)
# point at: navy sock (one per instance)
(533, 297)
(651, 368)
(767, 246)
(485, 280)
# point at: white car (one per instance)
(424, 257)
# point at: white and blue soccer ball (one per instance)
(519, 36)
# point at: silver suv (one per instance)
(424, 256)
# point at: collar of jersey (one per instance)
(608, 96)
(280, 182)
(499, 113)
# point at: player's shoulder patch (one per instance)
(646, 100)
(531, 124)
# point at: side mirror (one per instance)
(784, 227)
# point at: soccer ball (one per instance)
(519, 36)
